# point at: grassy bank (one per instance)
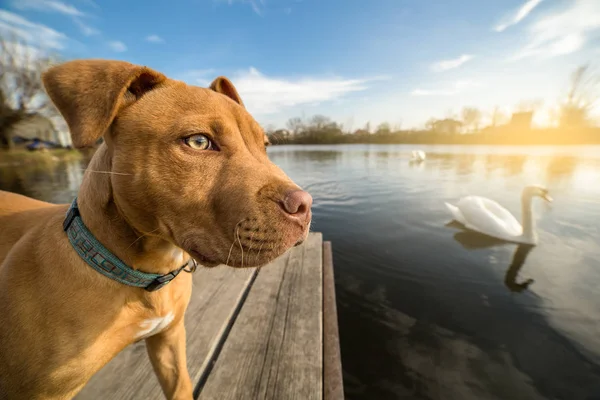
(19, 157)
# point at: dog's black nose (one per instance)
(297, 204)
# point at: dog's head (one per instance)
(189, 164)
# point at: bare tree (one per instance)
(430, 124)
(21, 90)
(319, 121)
(367, 127)
(471, 117)
(295, 125)
(581, 97)
(383, 128)
(498, 117)
(269, 129)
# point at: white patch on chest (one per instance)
(152, 326)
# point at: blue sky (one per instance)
(400, 61)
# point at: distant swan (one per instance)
(490, 218)
(418, 155)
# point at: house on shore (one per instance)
(32, 129)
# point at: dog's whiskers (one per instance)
(107, 172)
(251, 243)
(230, 249)
(233, 241)
(241, 247)
(259, 250)
(249, 256)
(144, 234)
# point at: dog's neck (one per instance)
(102, 217)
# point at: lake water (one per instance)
(427, 311)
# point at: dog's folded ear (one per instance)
(89, 93)
(224, 86)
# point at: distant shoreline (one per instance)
(438, 144)
(498, 137)
(18, 157)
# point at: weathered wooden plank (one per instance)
(215, 295)
(275, 349)
(333, 384)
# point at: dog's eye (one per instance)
(198, 142)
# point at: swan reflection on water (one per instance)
(510, 278)
(471, 240)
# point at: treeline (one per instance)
(321, 130)
(571, 119)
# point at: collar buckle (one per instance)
(163, 280)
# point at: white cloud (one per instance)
(85, 28)
(264, 95)
(154, 39)
(48, 6)
(257, 5)
(17, 27)
(117, 46)
(201, 77)
(563, 32)
(90, 3)
(450, 90)
(520, 14)
(445, 65)
(432, 92)
(55, 6)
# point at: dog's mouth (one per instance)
(302, 239)
(254, 245)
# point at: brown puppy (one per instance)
(183, 172)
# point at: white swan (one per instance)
(418, 155)
(490, 218)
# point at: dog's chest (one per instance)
(151, 326)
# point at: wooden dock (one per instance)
(268, 333)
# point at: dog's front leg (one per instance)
(168, 358)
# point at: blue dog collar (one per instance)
(102, 260)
